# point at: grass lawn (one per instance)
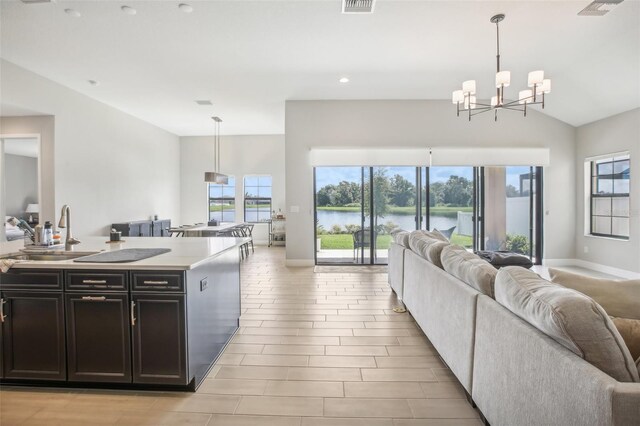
(345, 241)
(409, 210)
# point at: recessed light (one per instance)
(128, 10)
(72, 12)
(344, 80)
(93, 82)
(186, 8)
(204, 102)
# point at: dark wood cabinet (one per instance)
(33, 335)
(98, 337)
(159, 339)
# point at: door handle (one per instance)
(94, 298)
(133, 313)
(2, 315)
(94, 281)
(157, 282)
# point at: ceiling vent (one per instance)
(599, 7)
(358, 6)
(204, 102)
(37, 1)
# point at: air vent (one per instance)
(204, 102)
(37, 1)
(358, 6)
(599, 7)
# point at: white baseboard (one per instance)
(299, 263)
(623, 273)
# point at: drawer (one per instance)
(151, 281)
(97, 280)
(31, 279)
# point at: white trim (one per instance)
(622, 273)
(299, 263)
(610, 155)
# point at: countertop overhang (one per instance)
(186, 252)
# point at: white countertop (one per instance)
(186, 253)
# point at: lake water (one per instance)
(327, 218)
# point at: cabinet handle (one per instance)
(94, 281)
(157, 282)
(133, 313)
(2, 315)
(97, 298)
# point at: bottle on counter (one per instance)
(37, 235)
(47, 234)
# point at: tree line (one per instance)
(398, 191)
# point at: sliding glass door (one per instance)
(479, 208)
(356, 208)
(510, 218)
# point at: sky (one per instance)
(334, 175)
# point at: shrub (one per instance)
(388, 227)
(518, 244)
(335, 229)
(351, 228)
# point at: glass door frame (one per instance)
(536, 216)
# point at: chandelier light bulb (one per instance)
(503, 78)
(469, 87)
(494, 101)
(535, 77)
(524, 97)
(545, 87)
(457, 96)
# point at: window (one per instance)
(610, 196)
(257, 198)
(222, 201)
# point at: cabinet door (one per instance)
(33, 335)
(98, 339)
(159, 339)
(145, 229)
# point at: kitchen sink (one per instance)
(64, 255)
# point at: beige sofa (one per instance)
(515, 373)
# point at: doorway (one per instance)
(20, 176)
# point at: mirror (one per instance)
(20, 173)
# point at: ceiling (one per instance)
(248, 57)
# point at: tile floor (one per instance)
(314, 349)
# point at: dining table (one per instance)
(204, 230)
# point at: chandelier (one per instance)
(465, 99)
(216, 176)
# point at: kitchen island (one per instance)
(156, 323)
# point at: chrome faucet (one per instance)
(65, 222)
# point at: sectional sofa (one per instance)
(510, 338)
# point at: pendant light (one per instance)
(216, 176)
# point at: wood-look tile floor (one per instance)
(314, 349)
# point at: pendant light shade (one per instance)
(216, 176)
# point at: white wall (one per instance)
(418, 124)
(614, 134)
(108, 166)
(21, 187)
(240, 156)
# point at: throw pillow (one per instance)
(427, 247)
(400, 237)
(468, 267)
(620, 298)
(505, 258)
(629, 329)
(569, 317)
